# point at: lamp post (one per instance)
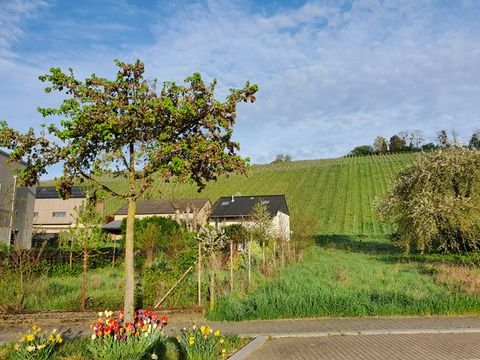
(14, 192)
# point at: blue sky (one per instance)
(332, 74)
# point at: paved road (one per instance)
(443, 337)
(372, 347)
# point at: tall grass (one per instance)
(104, 290)
(363, 278)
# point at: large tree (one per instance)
(380, 145)
(434, 204)
(474, 142)
(397, 144)
(128, 128)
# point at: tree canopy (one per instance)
(434, 204)
(128, 128)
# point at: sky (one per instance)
(332, 75)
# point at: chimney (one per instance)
(233, 198)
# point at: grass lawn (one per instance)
(105, 290)
(361, 276)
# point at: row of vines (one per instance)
(335, 194)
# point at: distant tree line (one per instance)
(281, 158)
(414, 141)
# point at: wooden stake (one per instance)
(231, 266)
(174, 286)
(199, 278)
(249, 262)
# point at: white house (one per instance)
(229, 210)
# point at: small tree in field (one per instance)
(261, 228)
(212, 242)
(86, 234)
(434, 204)
(128, 128)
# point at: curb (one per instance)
(368, 332)
(249, 348)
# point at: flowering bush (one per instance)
(35, 345)
(202, 343)
(114, 339)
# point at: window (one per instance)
(59, 214)
(225, 203)
(265, 202)
(35, 214)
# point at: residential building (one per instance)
(229, 210)
(16, 205)
(194, 212)
(53, 214)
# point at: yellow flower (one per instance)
(222, 341)
(30, 348)
(217, 333)
(41, 346)
(30, 337)
(100, 314)
(59, 339)
(224, 351)
(191, 340)
(51, 338)
(108, 313)
(202, 329)
(22, 339)
(209, 330)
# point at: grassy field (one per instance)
(335, 194)
(361, 276)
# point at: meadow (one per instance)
(361, 276)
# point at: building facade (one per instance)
(231, 210)
(53, 214)
(16, 206)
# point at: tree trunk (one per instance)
(129, 305)
(71, 254)
(199, 279)
(114, 251)
(84, 283)
(212, 282)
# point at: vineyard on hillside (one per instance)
(334, 195)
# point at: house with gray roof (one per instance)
(16, 205)
(194, 212)
(229, 210)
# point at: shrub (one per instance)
(434, 203)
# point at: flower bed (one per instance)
(114, 339)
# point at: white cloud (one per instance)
(331, 77)
(12, 13)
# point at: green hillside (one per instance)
(336, 195)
